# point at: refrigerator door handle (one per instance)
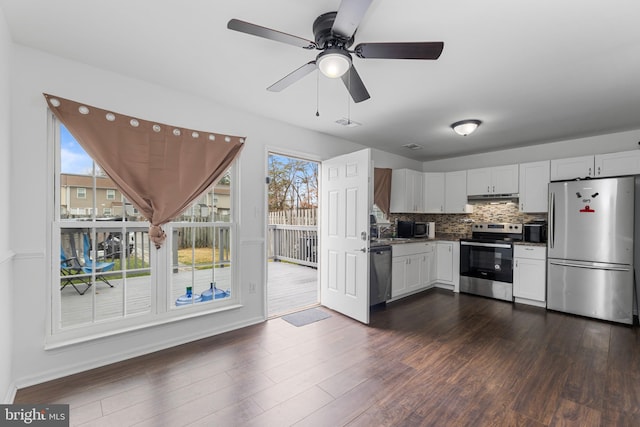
(552, 215)
(591, 267)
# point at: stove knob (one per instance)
(510, 227)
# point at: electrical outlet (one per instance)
(252, 288)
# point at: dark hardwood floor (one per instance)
(434, 359)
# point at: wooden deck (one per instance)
(290, 287)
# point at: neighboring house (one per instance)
(76, 199)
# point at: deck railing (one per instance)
(293, 243)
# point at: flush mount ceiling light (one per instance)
(334, 62)
(465, 127)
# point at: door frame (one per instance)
(287, 152)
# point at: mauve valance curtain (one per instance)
(161, 169)
(382, 189)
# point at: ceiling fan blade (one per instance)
(350, 13)
(355, 86)
(409, 50)
(292, 77)
(268, 33)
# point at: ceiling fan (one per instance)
(334, 34)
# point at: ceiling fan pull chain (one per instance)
(349, 99)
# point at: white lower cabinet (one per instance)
(447, 265)
(529, 275)
(412, 267)
(418, 266)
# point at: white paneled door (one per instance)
(344, 224)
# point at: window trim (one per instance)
(84, 193)
(160, 312)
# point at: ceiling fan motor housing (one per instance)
(324, 37)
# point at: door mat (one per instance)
(305, 317)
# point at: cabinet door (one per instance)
(398, 276)
(478, 181)
(433, 201)
(534, 186)
(529, 279)
(455, 194)
(504, 179)
(406, 191)
(417, 189)
(618, 164)
(444, 258)
(571, 168)
(413, 268)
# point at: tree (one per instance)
(293, 183)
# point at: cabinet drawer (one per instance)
(533, 252)
(404, 249)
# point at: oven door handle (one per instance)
(487, 245)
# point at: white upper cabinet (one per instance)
(406, 191)
(617, 164)
(572, 168)
(599, 166)
(434, 192)
(455, 194)
(494, 180)
(534, 186)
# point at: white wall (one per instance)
(6, 255)
(609, 143)
(35, 72)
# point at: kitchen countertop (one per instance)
(452, 237)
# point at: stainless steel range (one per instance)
(486, 260)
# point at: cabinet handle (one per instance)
(493, 189)
(598, 170)
(589, 171)
(521, 206)
(488, 189)
(516, 263)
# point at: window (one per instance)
(111, 278)
(81, 193)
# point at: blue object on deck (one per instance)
(188, 298)
(214, 292)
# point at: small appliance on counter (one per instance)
(405, 229)
(425, 229)
(421, 229)
(535, 232)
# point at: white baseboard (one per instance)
(10, 395)
(54, 374)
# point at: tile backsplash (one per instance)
(460, 224)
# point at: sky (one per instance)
(73, 159)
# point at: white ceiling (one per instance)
(533, 71)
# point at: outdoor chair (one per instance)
(72, 267)
(89, 265)
(69, 268)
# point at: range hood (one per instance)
(490, 197)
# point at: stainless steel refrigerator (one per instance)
(590, 248)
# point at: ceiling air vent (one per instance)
(348, 123)
(413, 146)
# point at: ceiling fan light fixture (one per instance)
(465, 127)
(333, 63)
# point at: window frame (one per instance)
(161, 310)
(84, 193)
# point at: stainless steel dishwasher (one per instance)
(379, 274)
